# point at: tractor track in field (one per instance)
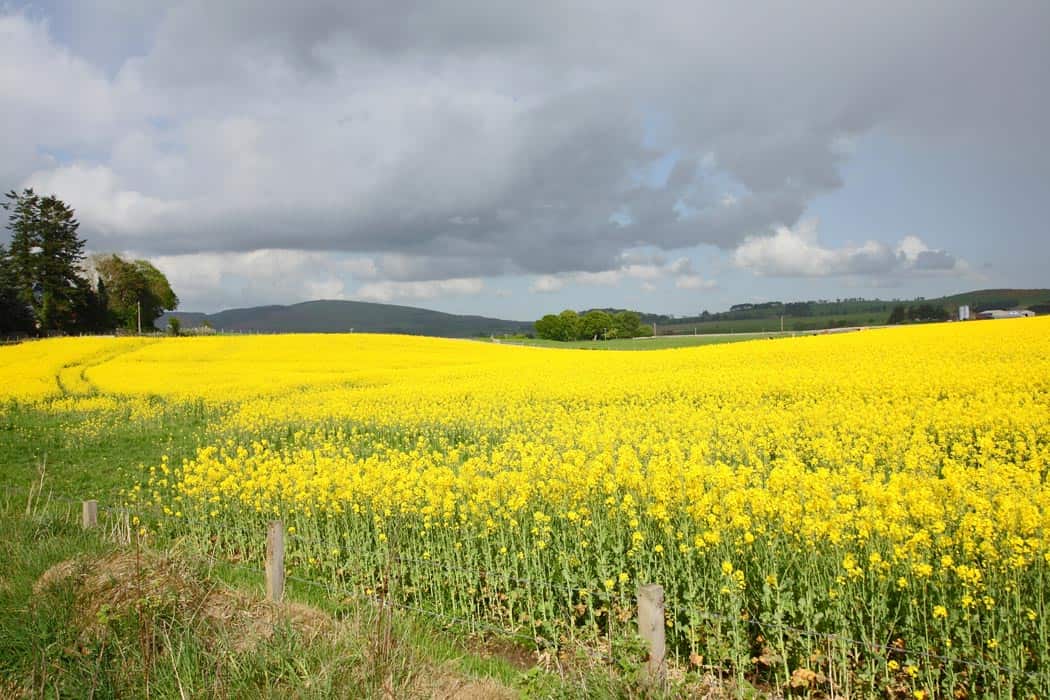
(71, 379)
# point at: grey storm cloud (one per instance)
(461, 139)
(935, 260)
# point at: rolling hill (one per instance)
(367, 317)
(815, 315)
(346, 316)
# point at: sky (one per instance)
(514, 159)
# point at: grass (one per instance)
(771, 324)
(168, 651)
(81, 616)
(131, 636)
(662, 342)
(84, 464)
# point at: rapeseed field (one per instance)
(868, 511)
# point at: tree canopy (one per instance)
(44, 287)
(131, 286)
(592, 325)
(919, 313)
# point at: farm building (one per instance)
(999, 313)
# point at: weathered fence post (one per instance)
(275, 561)
(89, 514)
(651, 628)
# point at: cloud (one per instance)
(329, 289)
(111, 207)
(936, 260)
(546, 284)
(208, 281)
(917, 255)
(641, 257)
(448, 141)
(214, 280)
(681, 266)
(605, 278)
(647, 269)
(419, 291)
(695, 282)
(644, 272)
(51, 99)
(797, 252)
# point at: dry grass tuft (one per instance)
(122, 583)
(57, 574)
(448, 683)
(146, 585)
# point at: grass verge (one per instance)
(81, 616)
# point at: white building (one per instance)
(999, 313)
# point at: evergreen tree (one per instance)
(44, 259)
(102, 312)
(15, 315)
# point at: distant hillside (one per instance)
(984, 299)
(823, 313)
(344, 316)
(188, 319)
(365, 317)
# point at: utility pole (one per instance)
(138, 308)
(781, 323)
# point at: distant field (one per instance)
(658, 343)
(767, 325)
(855, 312)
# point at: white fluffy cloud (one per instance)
(797, 252)
(646, 269)
(111, 207)
(547, 284)
(264, 276)
(418, 291)
(694, 282)
(51, 99)
(288, 276)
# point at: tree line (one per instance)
(592, 325)
(917, 313)
(48, 286)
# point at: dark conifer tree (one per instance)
(44, 259)
(15, 315)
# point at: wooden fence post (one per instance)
(651, 628)
(275, 561)
(89, 514)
